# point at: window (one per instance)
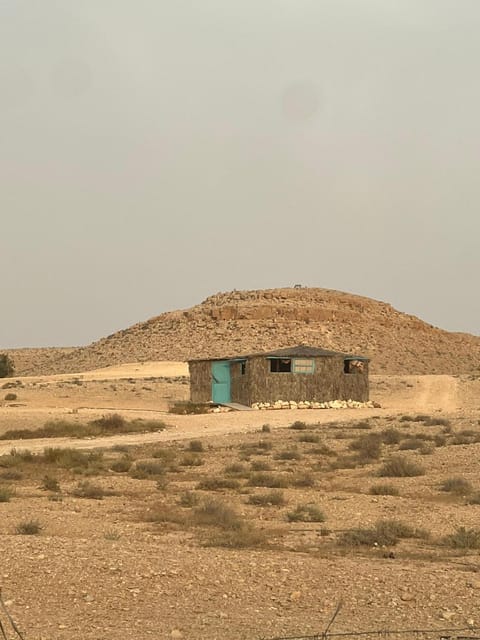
(243, 367)
(303, 366)
(353, 366)
(278, 365)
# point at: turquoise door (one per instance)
(221, 381)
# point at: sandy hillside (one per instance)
(250, 321)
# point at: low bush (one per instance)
(306, 513)
(368, 447)
(28, 528)
(260, 465)
(309, 437)
(400, 467)
(218, 484)
(463, 538)
(410, 444)
(383, 533)
(383, 489)
(147, 468)
(191, 460)
(189, 499)
(6, 493)
(89, 490)
(122, 465)
(391, 436)
(9, 397)
(196, 446)
(270, 498)
(288, 454)
(298, 425)
(50, 484)
(457, 485)
(237, 469)
(269, 480)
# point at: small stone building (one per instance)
(299, 373)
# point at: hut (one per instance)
(297, 373)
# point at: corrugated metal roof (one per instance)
(300, 351)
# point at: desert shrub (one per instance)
(260, 465)
(309, 437)
(324, 450)
(400, 467)
(11, 474)
(213, 512)
(437, 421)
(383, 533)
(406, 418)
(363, 424)
(266, 428)
(391, 436)
(306, 513)
(368, 447)
(410, 444)
(147, 468)
(10, 396)
(246, 536)
(189, 499)
(302, 480)
(383, 489)
(7, 367)
(270, 498)
(71, 458)
(288, 454)
(260, 448)
(89, 490)
(165, 513)
(110, 422)
(474, 498)
(426, 449)
(196, 446)
(50, 483)
(168, 456)
(456, 484)
(461, 438)
(122, 465)
(236, 469)
(439, 440)
(28, 528)
(6, 493)
(217, 484)
(463, 538)
(298, 425)
(265, 479)
(191, 460)
(189, 408)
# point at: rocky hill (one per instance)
(240, 322)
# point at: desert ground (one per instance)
(242, 524)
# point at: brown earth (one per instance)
(134, 566)
(242, 322)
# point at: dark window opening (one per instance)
(353, 366)
(280, 366)
(243, 368)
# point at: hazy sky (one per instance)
(153, 152)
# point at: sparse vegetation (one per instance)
(9, 397)
(6, 493)
(306, 513)
(196, 446)
(50, 483)
(28, 528)
(463, 538)
(270, 498)
(457, 485)
(384, 533)
(400, 467)
(383, 489)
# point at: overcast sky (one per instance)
(153, 152)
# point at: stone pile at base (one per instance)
(332, 404)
